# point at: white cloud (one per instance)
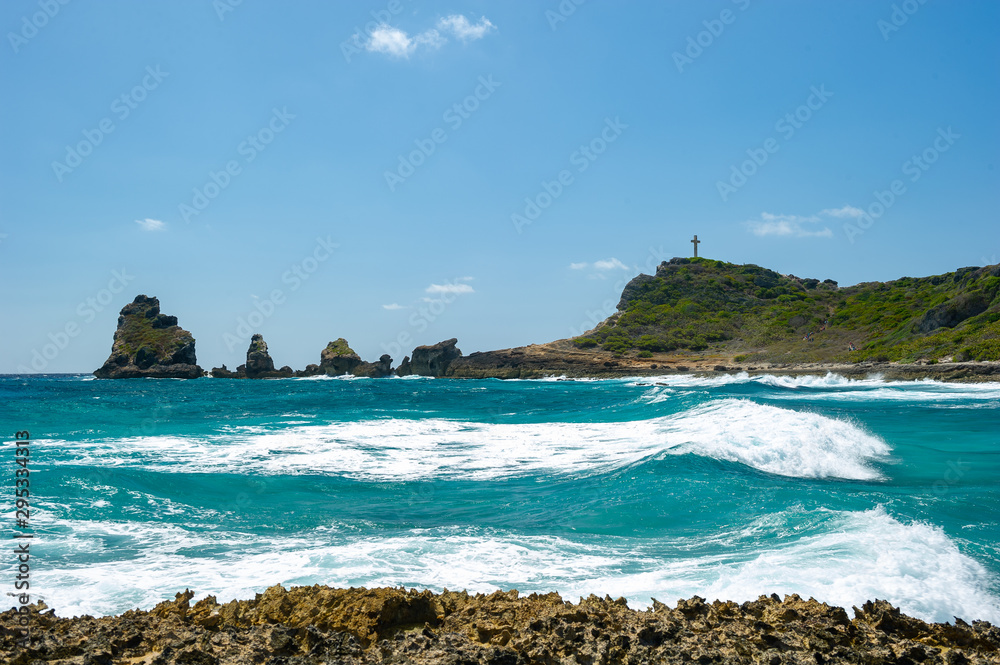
(450, 288)
(461, 28)
(430, 39)
(846, 211)
(610, 264)
(787, 226)
(391, 41)
(398, 43)
(393, 306)
(602, 265)
(151, 224)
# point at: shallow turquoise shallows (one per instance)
(647, 488)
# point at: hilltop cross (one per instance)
(696, 241)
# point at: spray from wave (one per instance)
(852, 557)
(766, 438)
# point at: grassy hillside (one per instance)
(700, 305)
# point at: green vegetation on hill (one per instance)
(339, 348)
(158, 336)
(704, 305)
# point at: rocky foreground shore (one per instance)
(307, 625)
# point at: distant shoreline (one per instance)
(960, 372)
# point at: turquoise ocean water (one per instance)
(664, 487)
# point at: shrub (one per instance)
(616, 344)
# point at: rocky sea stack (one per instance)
(338, 358)
(431, 360)
(259, 364)
(150, 344)
(314, 625)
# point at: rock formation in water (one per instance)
(150, 344)
(431, 360)
(376, 370)
(226, 373)
(338, 358)
(314, 625)
(259, 364)
(310, 370)
(259, 361)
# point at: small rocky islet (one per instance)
(318, 624)
(149, 344)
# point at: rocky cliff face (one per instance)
(434, 359)
(338, 358)
(258, 359)
(149, 344)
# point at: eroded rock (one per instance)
(150, 344)
(318, 624)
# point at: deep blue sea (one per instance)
(726, 487)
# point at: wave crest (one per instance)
(766, 438)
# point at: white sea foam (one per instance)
(832, 385)
(779, 441)
(870, 555)
(856, 556)
(767, 438)
(689, 380)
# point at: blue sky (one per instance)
(402, 171)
